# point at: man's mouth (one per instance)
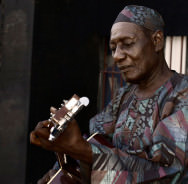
(125, 69)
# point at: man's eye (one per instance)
(128, 44)
(113, 49)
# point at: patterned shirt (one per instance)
(149, 136)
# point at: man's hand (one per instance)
(70, 141)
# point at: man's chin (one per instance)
(131, 79)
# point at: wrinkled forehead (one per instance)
(121, 30)
(142, 16)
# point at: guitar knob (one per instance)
(65, 101)
(51, 113)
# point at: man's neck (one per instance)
(148, 87)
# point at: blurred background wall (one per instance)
(49, 51)
(16, 29)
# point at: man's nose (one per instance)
(118, 55)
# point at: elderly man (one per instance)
(147, 122)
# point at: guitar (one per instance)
(69, 171)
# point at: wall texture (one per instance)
(16, 42)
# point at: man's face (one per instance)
(133, 51)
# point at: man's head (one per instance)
(137, 42)
(142, 16)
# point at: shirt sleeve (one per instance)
(167, 156)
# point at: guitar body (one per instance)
(70, 172)
(63, 178)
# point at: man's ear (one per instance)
(158, 40)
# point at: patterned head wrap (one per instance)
(141, 16)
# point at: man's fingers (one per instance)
(34, 139)
(53, 110)
(43, 124)
(38, 134)
(39, 138)
(43, 132)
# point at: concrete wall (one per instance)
(16, 44)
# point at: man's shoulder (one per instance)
(185, 77)
(182, 76)
(180, 90)
(179, 81)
